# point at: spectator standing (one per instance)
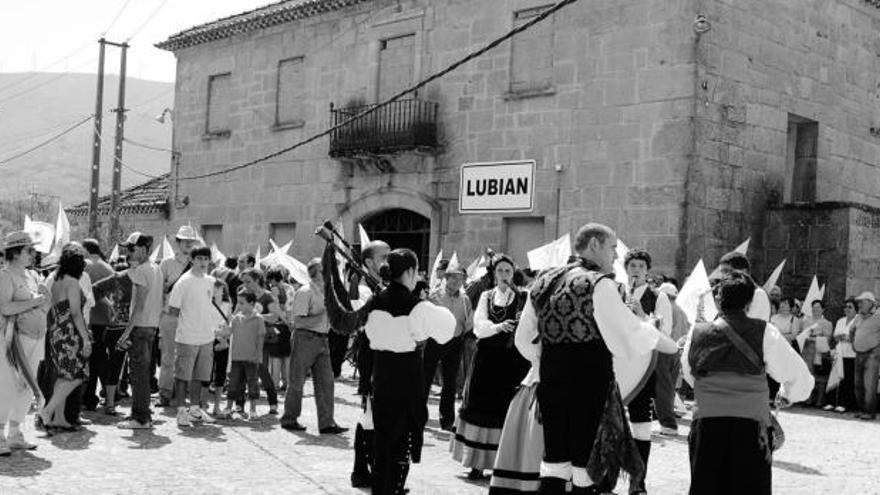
(143, 325)
(866, 343)
(247, 331)
(172, 269)
(311, 351)
(191, 302)
(785, 321)
(817, 351)
(271, 312)
(451, 297)
(844, 395)
(279, 352)
(99, 324)
(223, 305)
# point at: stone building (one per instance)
(688, 125)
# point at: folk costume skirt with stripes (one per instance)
(518, 462)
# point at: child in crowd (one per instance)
(245, 353)
(221, 342)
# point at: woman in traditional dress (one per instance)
(23, 304)
(68, 336)
(496, 373)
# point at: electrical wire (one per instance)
(123, 163)
(116, 18)
(424, 82)
(44, 83)
(147, 146)
(44, 143)
(37, 73)
(147, 21)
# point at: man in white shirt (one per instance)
(191, 302)
(576, 368)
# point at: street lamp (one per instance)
(161, 117)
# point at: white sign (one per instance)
(497, 187)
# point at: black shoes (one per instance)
(361, 480)
(293, 426)
(333, 430)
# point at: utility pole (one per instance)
(117, 152)
(96, 145)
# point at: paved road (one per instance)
(824, 453)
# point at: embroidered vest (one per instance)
(563, 300)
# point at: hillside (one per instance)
(62, 168)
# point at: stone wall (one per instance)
(617, 122)
(761, 61)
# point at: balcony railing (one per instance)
(403, 125)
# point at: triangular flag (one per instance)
(744, 247)
(154, 257)
(550, 255)
(286, 248)
(812, 295)
(365, 239)
(216, 256)
(274, 246)
(620, 275)
(802, 338)
(297, 269)
(836, 374)
(695, 296)
(822, 293)
(114, 255)
(167, 249)
(62, 226)
(774, 277)
(27, 222)
(477, 269)
(434, 280)
(453, 263)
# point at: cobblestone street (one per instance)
(825, 453)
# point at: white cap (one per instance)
(186, 233)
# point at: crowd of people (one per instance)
(536, 358)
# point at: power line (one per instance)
(126, 165)
(424, 82)
(147, 146)
(44, 143)
(44, 83)
(37, 73)
(147, 20)
(116, 18)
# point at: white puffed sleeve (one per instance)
(428, 320)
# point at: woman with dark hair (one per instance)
(395, 322)
(786, 321)
(496, 373)
(68, 336)
(23, 304)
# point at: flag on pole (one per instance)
(114, 255)
(42, 233)
(812, 295)
(365, 239)
(434, 281)
(744, 247)
(274, 247)
(695, 296)
(216, 256)
(154, 257)
(774, 277)
(286, 248)
(620, 275)
(836, 374)
(62, 227)
(551, 255)
(167, 249)
(478, 268)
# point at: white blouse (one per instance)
(844, 346)
(402, 333)
(483, 326)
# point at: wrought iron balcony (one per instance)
(403, 125)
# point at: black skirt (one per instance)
(730, 456)
(496, 373)
(399, 403)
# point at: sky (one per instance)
(61, 35)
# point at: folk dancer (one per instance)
(496, 373)
(727, 362)
(396, 321)
(580, 320)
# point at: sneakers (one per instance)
(16, 441)
(133, 424)
(840, 409)
(183, 418)
(668, 432)
(828, 407)
(197, 414)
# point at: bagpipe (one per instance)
(337, 298)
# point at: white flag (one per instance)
(42, 233)
(822, 293)
(258, 257)
(744, 247)
(61, 237)
(812, 295)
(365, 239)
(297, 269)
(551, 255)
(802, 338)
(696, 293)
(216, 256)
(836, 375)
(620, 275)
(286, 248)
(114, 255)
(477, 269)
(167, 249)
(774, 277)
(154, 257)
(434, 281)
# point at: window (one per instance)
(396, 65)
(213, 234)
(290, 97)
(219, 93)
(282, 233)
(522, 235)
(801, 161)
(531, 60)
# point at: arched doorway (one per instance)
(401, 228)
